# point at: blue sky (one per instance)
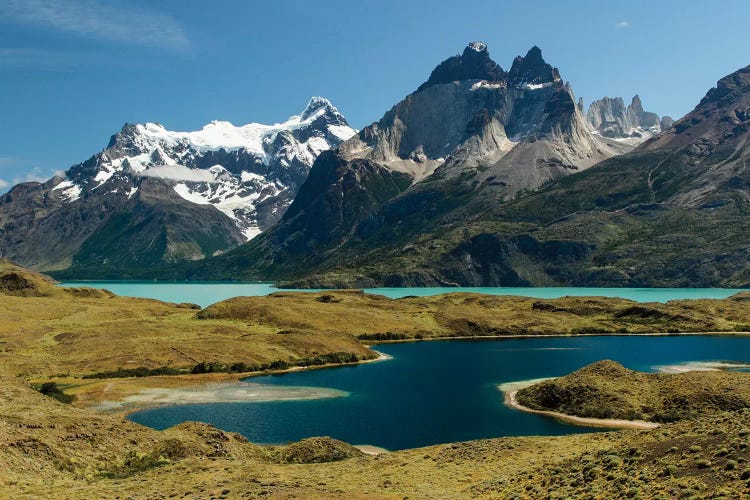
(72, 72)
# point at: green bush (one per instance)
(52, 390)
(383, 336)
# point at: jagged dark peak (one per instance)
(127, 130)
(636, 105)
(532, 69)
(729, 88)
(473, 64)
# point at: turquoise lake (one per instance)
(440, 391)
(204, 294)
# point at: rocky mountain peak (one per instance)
(736, 84)
(477, 47)
(208, 190)
(666, 122)
(610, 118)
(532, 69)
(473, 64)
(636, 105)
(316, 104)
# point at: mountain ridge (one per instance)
(496, 138)
(154, 196)
(672, 212)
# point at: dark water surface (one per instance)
(439, 391)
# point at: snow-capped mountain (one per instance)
(610, 118)
(470, 138)
(250, 173)
(240, 178)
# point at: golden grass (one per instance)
(51, 450)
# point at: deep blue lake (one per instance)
(206, 293)
(439, 391)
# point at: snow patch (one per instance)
(251, 176)
(179, 173)
(484, 84)
(69, 190)
(343, 132)
(478, 46)
(536, 86)
(103, 176)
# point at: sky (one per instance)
(72, 72)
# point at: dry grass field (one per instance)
(56, 450)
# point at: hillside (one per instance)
(52, 450)
(122, 345)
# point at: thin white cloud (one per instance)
(4, 183)
(34, 175)
(92, 19)
(622, 24)
(8, 161)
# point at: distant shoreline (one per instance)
(569, 335)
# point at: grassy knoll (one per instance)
(606, 389)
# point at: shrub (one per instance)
(141, 371)
(383, 336)
(52, 390)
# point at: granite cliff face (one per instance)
(154, 196)
(631, 124)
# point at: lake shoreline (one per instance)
(117, 406)
(190, 382)
(195, 291)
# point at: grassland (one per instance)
(56, 450)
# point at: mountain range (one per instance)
(480, 177)
(611, 118)
(513, 188)
(154, 196)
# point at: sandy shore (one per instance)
(510, 400)
(370, 449)
(127, 395)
